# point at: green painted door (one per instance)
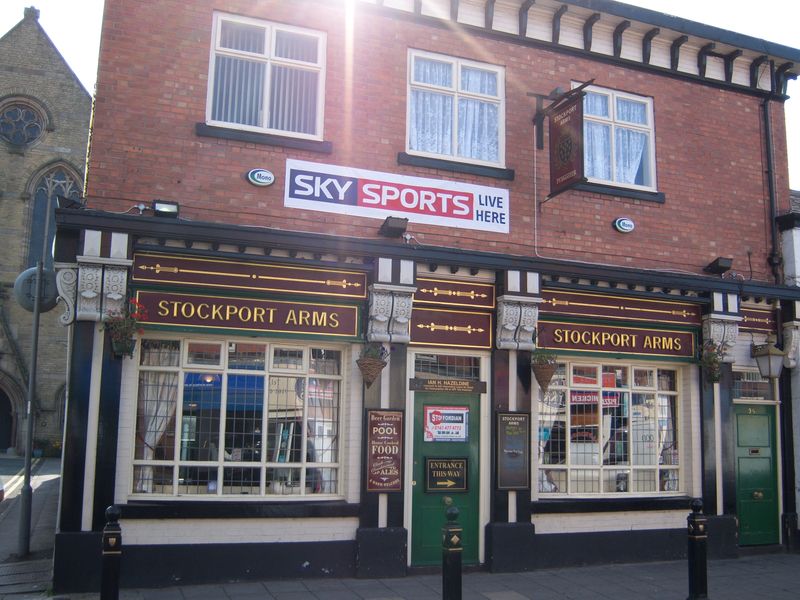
(756, 475)
(446, 445)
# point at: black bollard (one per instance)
(698, 538)
(452, 537)
(112, 555)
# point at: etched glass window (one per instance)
(20, 124)
(609, 429)
(237, 427)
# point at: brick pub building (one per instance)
(468, 187)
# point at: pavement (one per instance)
(769, 576)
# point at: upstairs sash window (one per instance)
(619, 139)
(267, 77)
(455, 109)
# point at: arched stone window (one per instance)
(22, 122)
(59, 180)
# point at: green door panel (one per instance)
(428, 508)
(756, 475)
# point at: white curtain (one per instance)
(431, 118)
(596, 137)
(477, 120)
(630, 144)
(158, 392)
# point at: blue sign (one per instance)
(624, 225)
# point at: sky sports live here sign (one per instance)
(362, 193)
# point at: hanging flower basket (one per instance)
(711, 357)
(123, 347)
(371, 362)
(123, 325)
(543, 365)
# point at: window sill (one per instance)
(265, 139)
(588, 505)
(404, 158)
(622, 192)
(264, 508)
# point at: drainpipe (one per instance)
(775, 260)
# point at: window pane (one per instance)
(584, 448)
(200, 424)
(155, 416)
(241, 481)
(631, 111)
(644, 481)
(631, 156)
(614, 376)
(583, 375)
(243, 418)
(284, 442)
(296, 46)
(643, 429)
(750, 384)
(246, 356)
(669, 481)
(323, 417)
(152, 480)
(325, 362)
(615, 428)
(321, 480)
(431, 122)
(287, 358)
(584, 481)
(615, 480)
(478, 81)
(160, 353)
(20, 125)
(667, 430)
(433, 72)
(241, 36)
(283, 481)
(644, 378)
(595, 104)
(293, 100)
(552, 428)
(667, 380)
(197, 480)
(238, 91)
(478, 130)
(553, 481)
(204, 354)
(597, 150)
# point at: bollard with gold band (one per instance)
(697, 525)
(112, 555)
(452, 545)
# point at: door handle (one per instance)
(413, 482)
(758, 495)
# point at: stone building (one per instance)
(44, 126)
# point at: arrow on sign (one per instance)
(446, 482)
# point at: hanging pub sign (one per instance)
(566, 145)
(513, 451)
(384, 451)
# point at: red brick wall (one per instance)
(152, 91)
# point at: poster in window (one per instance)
(446, 423)
(513, 451)
(384, 451)
(566, 145)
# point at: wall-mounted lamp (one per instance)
(165, 208)
(719, 265)
(768, 358)
(393, 227)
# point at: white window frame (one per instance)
(649, 129)
(268, 59)
(456, 93)
(264, 464)
(681, 434)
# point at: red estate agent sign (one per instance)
(384, 451)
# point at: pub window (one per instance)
(237, 418)
(619, 139)
(456, 109)
(266, 77)
(751, 385)
(609, 429)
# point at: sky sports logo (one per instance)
(358, 192)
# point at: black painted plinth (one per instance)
(509, 547)
(722, 536)
(381, 552)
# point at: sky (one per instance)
(74, 27)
